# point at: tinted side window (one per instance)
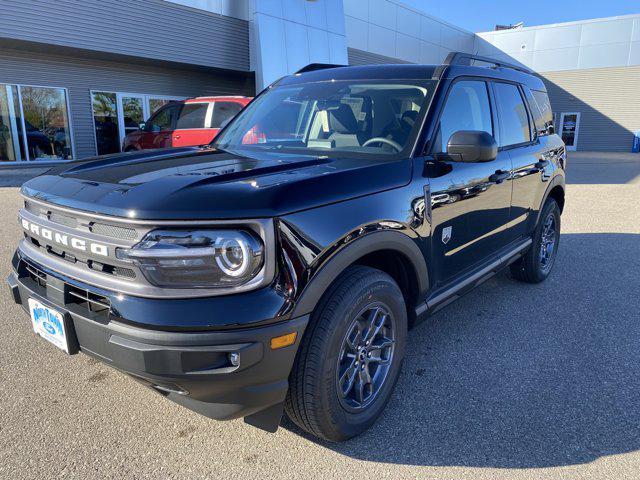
(192, 115)
(162, 120)
(514, 121)
(542, 99)
(223, 112)
(467, 108)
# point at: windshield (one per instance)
(347, 118)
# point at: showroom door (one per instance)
(569, 128)
(132, 111)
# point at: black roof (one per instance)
(412, 72)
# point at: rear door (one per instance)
(519, 137)
(470, 201)
(193, 125)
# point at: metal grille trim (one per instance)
(115, 231)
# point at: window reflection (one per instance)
(11, 137)
(156, 103)
(46, 122)
(133, 111)
(105, 118)
(34, 124)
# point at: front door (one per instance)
(158, 130)
(569, 129)
(132, 110)
(470, 201)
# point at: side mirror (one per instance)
(551, 129)
(471, 146)
(142, 125)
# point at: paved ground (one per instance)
(512, 381)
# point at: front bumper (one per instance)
(192, 368)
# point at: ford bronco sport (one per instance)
(247, 278)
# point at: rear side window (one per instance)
(467, 108)
(192, 115)
(514, 120)
(542, 100)
(223, 112)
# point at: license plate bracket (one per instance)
(53, 325)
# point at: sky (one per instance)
(480, 16)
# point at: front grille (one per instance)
(114, 231)
(63, 228)
(95, 305)
(35, 209)
(63, 219)
(111, 269)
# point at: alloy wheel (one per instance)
(365, 357)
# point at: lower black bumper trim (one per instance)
(193, 369)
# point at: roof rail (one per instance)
(458, 58)
(312, 67)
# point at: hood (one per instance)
(198, 183)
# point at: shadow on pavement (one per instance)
(523, 376)
(603, 168)
(16, 177)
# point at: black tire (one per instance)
(313, 401)
(532, 267)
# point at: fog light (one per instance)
(283, 340)
(234, 359)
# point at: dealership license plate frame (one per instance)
(52, 325)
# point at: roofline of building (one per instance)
(561, 24)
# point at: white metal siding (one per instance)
(608, 100)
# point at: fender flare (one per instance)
(337, 263)
(558, 180)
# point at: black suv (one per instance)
(280, 267)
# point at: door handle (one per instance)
(177, 137)
(542, 164)
(499, 176)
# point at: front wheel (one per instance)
(350, 357)
(535, 266)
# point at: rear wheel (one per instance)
(535, 266)
(351, 356)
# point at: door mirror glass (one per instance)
(142, 126)
(471, 146)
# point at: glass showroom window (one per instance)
(105, 119)
(116, 114)
(37, 117)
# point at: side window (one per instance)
(542, 99)
(223, 112)
(467, 108)
(192, 115)
(537, 124)
(162, 120)
(514, 120)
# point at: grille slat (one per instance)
(114, 231)
(65, 220)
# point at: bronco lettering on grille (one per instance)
(65, 240)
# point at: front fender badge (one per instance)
(446, 234)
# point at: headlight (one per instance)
(198, 258)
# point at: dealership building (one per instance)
(76, 77)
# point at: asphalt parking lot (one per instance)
(511, 381)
